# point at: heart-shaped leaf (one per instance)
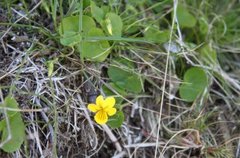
(125, 79)
(95, 50)
(155, 35)
(97, 12)
(194, 82)
(185, 18)
(70, 38)
(17, 127)
(69, 29)
(113, 24)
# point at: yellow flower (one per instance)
(103, 108)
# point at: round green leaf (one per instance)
(17, 133)
(185, 18)
(71, 24)
(86, 3)
(116, 120)
(124, 62)
(155, 35)
(194, 83)
(10, 102)
(95, 50)
(125, 79)
(113, 24)
(97, 12)
(109, 92)
(16, 125)
(70, 38)
(69, 29)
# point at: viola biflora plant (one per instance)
(93, 36)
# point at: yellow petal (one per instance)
(100, 100)
(101, 117)
(111, 111)
(93, 107)
(109, 102)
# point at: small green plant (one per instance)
(93, 35)
(12, 126)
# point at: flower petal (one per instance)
(101, 117)
(93, 107)
(109, 102)
(111, 111)
(100, 100)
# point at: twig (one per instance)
(143, 145)
(112, 137)
(120, 155)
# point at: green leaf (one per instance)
(95, 50)
(50, 66)
(87, 24)
(185, 18)
(10, 102)
(17, 134)
(109, 92)
(125, 79)
(86, 3)
(97, 12)
(16, 125)
(70, 38)
(2, 124)
(113, 24)
(194, 82)
(155, 35)
(71, 24)
(116, 120)
(106, 9)
(69, 29)
(124, 62)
